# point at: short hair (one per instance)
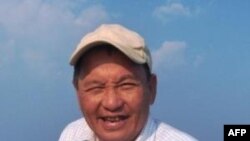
(110, 49)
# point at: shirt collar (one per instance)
(148, 130)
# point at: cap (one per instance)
(127, 41)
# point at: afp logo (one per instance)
(236, 132)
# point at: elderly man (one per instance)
(115, 88)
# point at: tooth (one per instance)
(113, 119)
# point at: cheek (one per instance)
(87, 104)
(138, 101)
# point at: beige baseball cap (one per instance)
(127, 41)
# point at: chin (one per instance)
(115, 137)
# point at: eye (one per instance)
(127, 85)
(94, 89)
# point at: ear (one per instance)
(153, 88)
(75, 84)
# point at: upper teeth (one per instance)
(112, 118)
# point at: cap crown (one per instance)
(125, 40)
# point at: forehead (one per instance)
(105, 55)
(104, 52)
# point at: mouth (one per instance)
(113, 122)
(114, 118)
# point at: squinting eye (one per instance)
(94, 89)
(127, 86)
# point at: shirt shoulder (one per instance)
(76, 131)
(165, 132)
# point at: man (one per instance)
(115, 87)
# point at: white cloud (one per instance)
(170, 55)
(172, 9)
(28, 17)
(174, 55)
(38, 32)
(91, 15)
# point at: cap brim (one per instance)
(78, 53)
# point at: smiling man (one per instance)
(115, 88)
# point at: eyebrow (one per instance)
(93, 82)
(126, 77)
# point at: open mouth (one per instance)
(114, 118)
(114, 122)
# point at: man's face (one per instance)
(115, 95)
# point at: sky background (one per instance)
(200, 49)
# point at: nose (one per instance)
(112, 101)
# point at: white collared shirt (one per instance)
(153, 131)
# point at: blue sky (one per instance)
(201, 53)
